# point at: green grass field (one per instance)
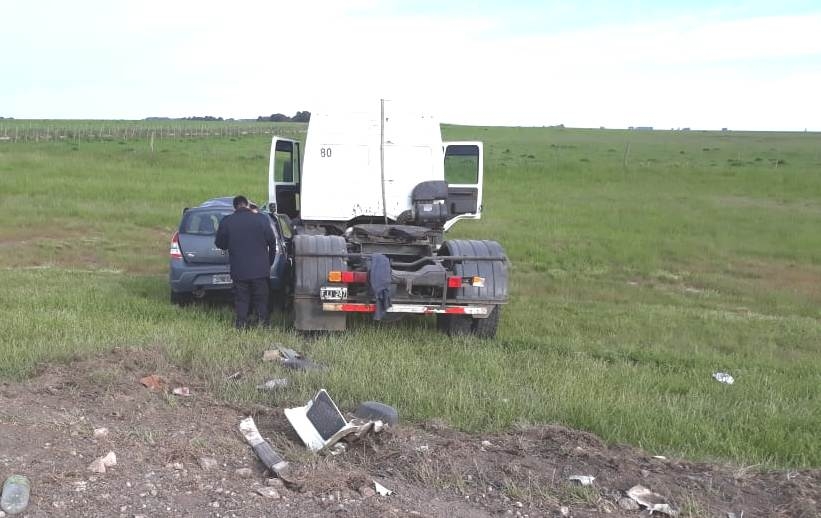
(642, 262)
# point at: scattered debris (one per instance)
(181, 391)
(486, 444)
(292, 359)
(564, 510)
(152, 382)
(100, 464)
(208, 463)
(268, 492)
(266, 453)
(585, 480)
(274, 482)
(628, 504)
(367, 492)
(15, 495)
(100, 433)
(272, 355)
(273, 384)
(235, 376)
(723, 377)
(321, 425)
(654, 502)
(377, 411)
(381, 490)
(660, 457)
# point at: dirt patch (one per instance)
(804, 279)
(46, 433)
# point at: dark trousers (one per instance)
(247, 293)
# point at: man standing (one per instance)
(250, 243)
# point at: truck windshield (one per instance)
(202, 222)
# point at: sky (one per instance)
(753, 65)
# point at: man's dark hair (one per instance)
(240, 201)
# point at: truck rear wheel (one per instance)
(493, 291)
(314, 257)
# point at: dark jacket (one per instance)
(250, 242)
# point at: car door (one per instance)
(284, 171)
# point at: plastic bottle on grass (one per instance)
(15, 496)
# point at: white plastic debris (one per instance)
(100, 433)
(585, 480)
(723, 377)
(654, 502)
(110, 459)
(381, 490)
(660, 457)
(182, 391)
(100, 464)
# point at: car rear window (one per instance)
(202, 222)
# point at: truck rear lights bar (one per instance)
(348, 277)
(458, 282)
(420, 309)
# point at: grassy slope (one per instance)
(635, 277)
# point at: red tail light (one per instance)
(174, 251)
(355, 277)
(454, 282)
(348, 277)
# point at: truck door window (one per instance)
(284, 162)
(462, 164)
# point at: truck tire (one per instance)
(494, 290)
(486, 327)
(310, 273)
(455, 325)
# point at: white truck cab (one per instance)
(363, 166)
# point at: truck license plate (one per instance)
(222, 278)
(333, 293)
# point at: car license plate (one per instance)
(223, 278)
(333, 293)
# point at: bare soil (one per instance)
(161, 440)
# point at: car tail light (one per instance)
(174, 251)
(348, 277)
(454, 282)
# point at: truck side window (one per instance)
(462, 164)
(284, 159)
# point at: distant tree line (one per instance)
(278, 117)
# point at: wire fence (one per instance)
(14, 131)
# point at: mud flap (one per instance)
(311, 273)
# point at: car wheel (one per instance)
(181, 298)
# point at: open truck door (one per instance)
(464, 165)
(284, 172)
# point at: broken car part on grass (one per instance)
(321, 425)
(266, 453)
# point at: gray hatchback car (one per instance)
(198, 267)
